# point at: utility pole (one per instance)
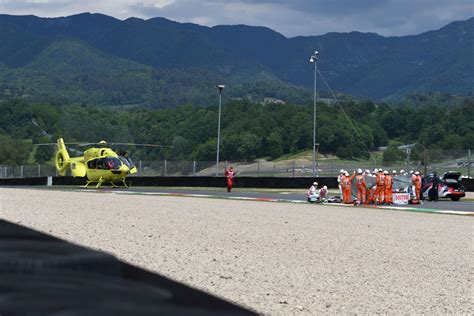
(313, 60)
(220, 87)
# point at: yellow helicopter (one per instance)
(100, 165)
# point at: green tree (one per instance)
(392, 154)
(43, 154)
(14, 151)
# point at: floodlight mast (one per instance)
(313, 60)
(220, 87)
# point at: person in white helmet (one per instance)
(380, 186)
(394, 174)
(346, 185)
(416, 181)
(361, 187)
(313, 194)
(371, 198)
(402, 172)
(339, 180)
(323, 192)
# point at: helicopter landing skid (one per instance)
(122, 184)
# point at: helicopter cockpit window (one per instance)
(104, 163)
(113, 163)
(127, 161)
(100, 163)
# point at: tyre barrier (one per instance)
(44, 275)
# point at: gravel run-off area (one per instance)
(275, 258)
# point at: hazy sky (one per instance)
(289, 17)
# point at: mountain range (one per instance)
(97, 59)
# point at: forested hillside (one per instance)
(99, 60)
(249, 130)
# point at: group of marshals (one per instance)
(380, 193)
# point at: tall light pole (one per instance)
(220, 87)
(313, 60)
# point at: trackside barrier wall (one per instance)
(24, 181)
(468, 184)
(240, 182)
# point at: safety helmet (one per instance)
(394, 171)
(380, 170)
(325, 187)
(315, 183)
(417, 172)
(359, 171)
(341, 171)
(385, 172)
(346, 173)
(376, 170)
(411, 171)
(402, 171)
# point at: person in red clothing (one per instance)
(360, 182)
(388, 184)
(379, 190)
(346, 184)
(230, 175)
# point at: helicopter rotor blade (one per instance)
(54, 144)
(82, 144)
(138, 145)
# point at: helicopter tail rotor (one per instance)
(62, 159)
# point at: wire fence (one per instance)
(27, 171)
(437, 160)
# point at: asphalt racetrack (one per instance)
(290, 196)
